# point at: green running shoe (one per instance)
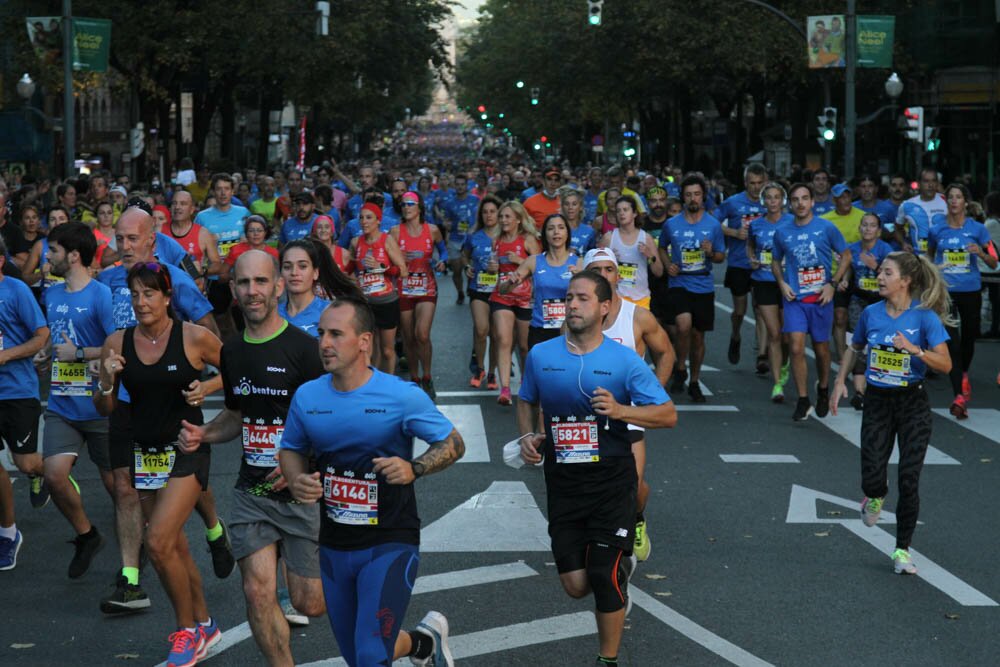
(902, 563)
(642, 546)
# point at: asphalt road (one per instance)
(755, 561)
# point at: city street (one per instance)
(759, 556)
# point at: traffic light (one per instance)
(137, 140)
(594, 12)
(519, 84)
(914, 123)
(933, 141)
(544, 139)
(534, 96)
(827, 125)
(481, 108)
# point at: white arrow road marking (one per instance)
(472, 577)
(505, 517)
(468, 420)
(802, 509)
(985, 422)
(847, 424)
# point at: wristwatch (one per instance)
(418, 469)
(80, 356)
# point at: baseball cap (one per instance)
(839, 189)
(118, 189)
(599, 255)
(553, 171)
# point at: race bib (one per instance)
(765, 258)
(692, 259)
(486, 282)
(890, 363)
(463, 227)
(627, 273)
(415, 284)
(575, 441)
(922, 245)
(955, 261)
(351, 501)
(70, 378)
(152, 469)
(811, 278)
(553, 313)
(372, 283)
(225, 247)
(260, 444)
(868, 284)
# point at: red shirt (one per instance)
(189, 241)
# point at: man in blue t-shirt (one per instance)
(822, 199)
(23, 332)
(808, 284)
(689, 244)
(79, 314)
(225, 222)
(590, 389)
(459, 217)
(868, 201)
(299, 225)
(735, 214)
(369, 526)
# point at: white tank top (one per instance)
(623, 329)
(633, 277)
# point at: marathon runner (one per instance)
(479, 255)
(917, 213)
(638, 330)
(807, 283)
(822, 201)
(590, 388)
(323, 234)
(196, 241)
(224, 221)
(261, 369)
(545, 202)
(905, 335)
(370, 530)
(160, 367)
(581, 236)
(636, 252)
(458, 213)
(418, 290)
(847, 219)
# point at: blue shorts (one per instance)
(811, 318)
(367, 592)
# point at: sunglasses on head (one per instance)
(409, 203)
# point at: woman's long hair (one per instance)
(926, 283)
(332, 281)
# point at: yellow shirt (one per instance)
(198, 192)
(849, 225)
(602, 207)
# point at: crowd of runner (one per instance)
(305, 298)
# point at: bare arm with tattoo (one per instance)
(438, 456)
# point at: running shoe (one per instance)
(642, 546)
(902, 563)
(762, 366)
(822, 401)
(677, 381)
(184, 646)
(427, 384)
(460, 300)
(435, 625)
(292, 615)
(783, 378)
(491, 381)
(966, 387)
(734, 351)
(504, 398)
(222, 553)
(38, 492)
(858, 401)
(959, 408)
(9, 549)
(694, 391)
(476, 381)
(778, 393)
(802, 409)
(402, 363)
(210, 636)
(871, 508)
(85, 548)
(126, 599)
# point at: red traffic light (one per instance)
(543, 138)
(481, 108)
(910, 112)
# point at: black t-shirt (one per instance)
(259, 378)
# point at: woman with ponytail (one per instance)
(905, 335)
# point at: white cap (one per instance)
(599, 255)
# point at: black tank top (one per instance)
(157, 403)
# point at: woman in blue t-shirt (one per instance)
(479, 255)
(905, 335)
(956, 241)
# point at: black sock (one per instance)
(609, 662)
(640, 517)
(90, 534)
(421, 644)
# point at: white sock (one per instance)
(9, 533)
(206, 623)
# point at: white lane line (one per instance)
(472, 577)
(468, 420)
(480, 393)
(759, 458)
(684, 407)
(705, 390)
(506, 637)
(684, 625)
(847, 424)
(984, 421)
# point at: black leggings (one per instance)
(965, 306)
(889, 413)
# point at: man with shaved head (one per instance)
(261, 368)
(135, 235)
